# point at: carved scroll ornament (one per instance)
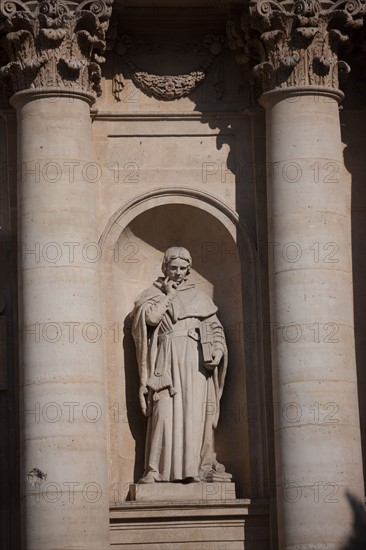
(53, 43)
(296, 42)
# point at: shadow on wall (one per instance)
(136, 420)
(357, 540)
(354, 137)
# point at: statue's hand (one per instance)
(170, 287)
(216, 357)
(142, 392)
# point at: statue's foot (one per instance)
(149, 478)
(221, 477)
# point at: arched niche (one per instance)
(133, 245)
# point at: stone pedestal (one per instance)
(175, 492)
(221, 524)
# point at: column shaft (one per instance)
(63, 430)
(317, 436)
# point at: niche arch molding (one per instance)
(172, 195)
(254, 471)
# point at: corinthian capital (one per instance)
(297, 42)
(53, 43)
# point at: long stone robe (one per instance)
(183, 395)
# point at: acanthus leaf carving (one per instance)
(301, 40)
(53, 43)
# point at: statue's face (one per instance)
(177, 270)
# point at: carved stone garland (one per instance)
(53, 43)
(297, 41)
(165, 87)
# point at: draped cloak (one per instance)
(183, 396)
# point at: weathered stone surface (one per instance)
(179, 150)
(62, 436)
(226, 525)
(182, 359)
(172, 492)
(308, 293)
(53, 43)
(297, 43)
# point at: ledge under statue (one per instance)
(182, 359)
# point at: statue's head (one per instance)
(173, 253)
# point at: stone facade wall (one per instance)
(179, 157)
(181, 166)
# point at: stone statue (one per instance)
(182, 359)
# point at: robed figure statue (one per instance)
(182, 360)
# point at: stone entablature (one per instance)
(60, 43)
(295, 43)
(53, 43)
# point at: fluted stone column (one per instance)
(54, 49)
(317, 435)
